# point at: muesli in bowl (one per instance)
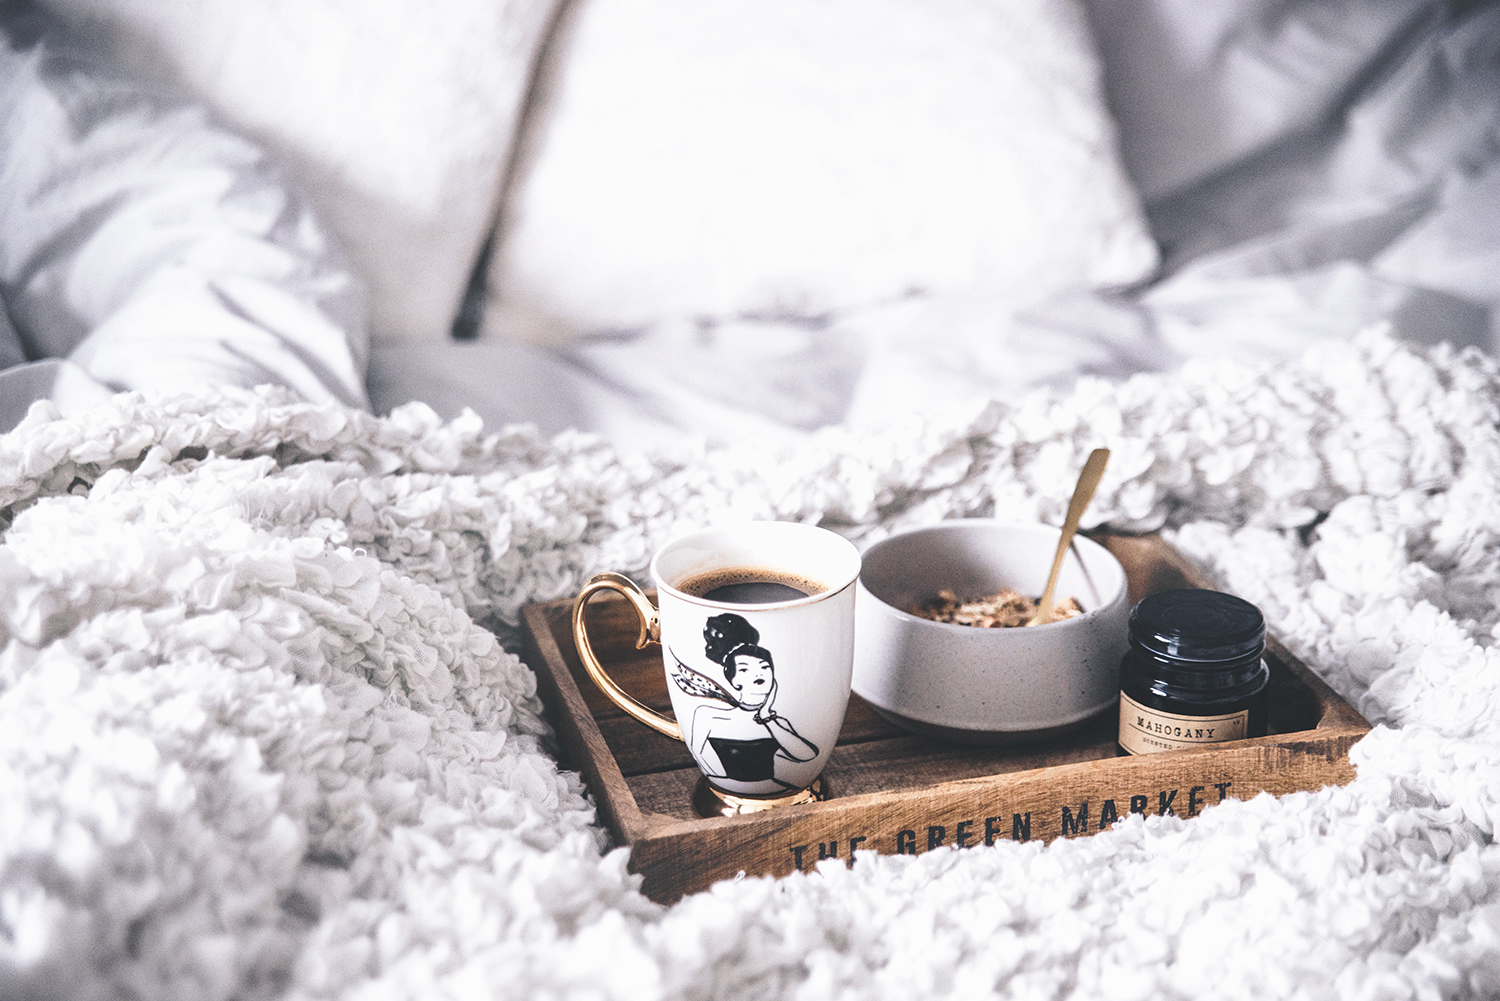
(987, 685)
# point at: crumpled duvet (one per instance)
(142, 246)
(259, 742)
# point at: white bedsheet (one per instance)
(1377, 203)
(143, 246)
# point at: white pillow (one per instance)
(794, 157)
(397, 117)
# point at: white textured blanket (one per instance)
(254, 744)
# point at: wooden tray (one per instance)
(892, 791)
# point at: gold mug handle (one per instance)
(650, 632)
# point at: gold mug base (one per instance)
(711, 802)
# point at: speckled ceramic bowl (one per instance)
(987, 686)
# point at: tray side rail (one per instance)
(583, 745)
(1073, 800)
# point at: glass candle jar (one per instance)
(1195, 672)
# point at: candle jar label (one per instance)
(1144, 730)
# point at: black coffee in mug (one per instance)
(750, 586)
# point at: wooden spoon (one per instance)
(1088, 482)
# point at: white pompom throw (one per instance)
(258, 737)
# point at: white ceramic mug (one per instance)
(759, 689)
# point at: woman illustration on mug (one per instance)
(744, 739)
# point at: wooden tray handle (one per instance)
(650, 632)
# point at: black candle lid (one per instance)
(1198, 625)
